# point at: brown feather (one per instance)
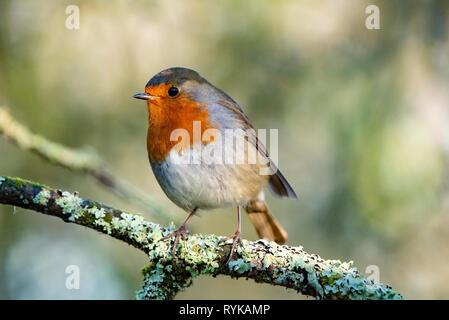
(266, 225)
(278, 184)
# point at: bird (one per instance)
(195, 134)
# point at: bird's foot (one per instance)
(237, 239)
(179, 233)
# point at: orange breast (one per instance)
(166, 115)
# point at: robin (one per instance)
(191, 170)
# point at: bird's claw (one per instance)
(180, 232)
(237, 240)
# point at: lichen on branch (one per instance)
(80, 160)
(165, 275)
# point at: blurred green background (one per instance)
(363, 118)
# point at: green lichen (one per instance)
(162, 283)
(97, 213)
(70, 205)
(101, 219)
(263, 261)
(133, 225)
(42, 197)
(199, 254)
(18, 183)
(291, 267)
(268, 260)
(239, 266)
(104, 225)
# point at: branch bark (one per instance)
(165, 276)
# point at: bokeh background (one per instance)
(363, 119)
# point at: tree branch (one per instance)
(81, 160)
(165, 276)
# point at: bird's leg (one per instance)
(237, 236)
(180, 232)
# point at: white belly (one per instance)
(194, 179)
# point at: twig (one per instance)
(263, 261)
(82, 160)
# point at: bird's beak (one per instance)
(143, 96)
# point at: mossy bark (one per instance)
(165, 276)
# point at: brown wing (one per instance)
(279, 186)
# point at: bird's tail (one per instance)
(266, 225)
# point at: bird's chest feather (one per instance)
(198, 174)
(170, 123)
(193, 178)
(201, 177)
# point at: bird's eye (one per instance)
(173, 91)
